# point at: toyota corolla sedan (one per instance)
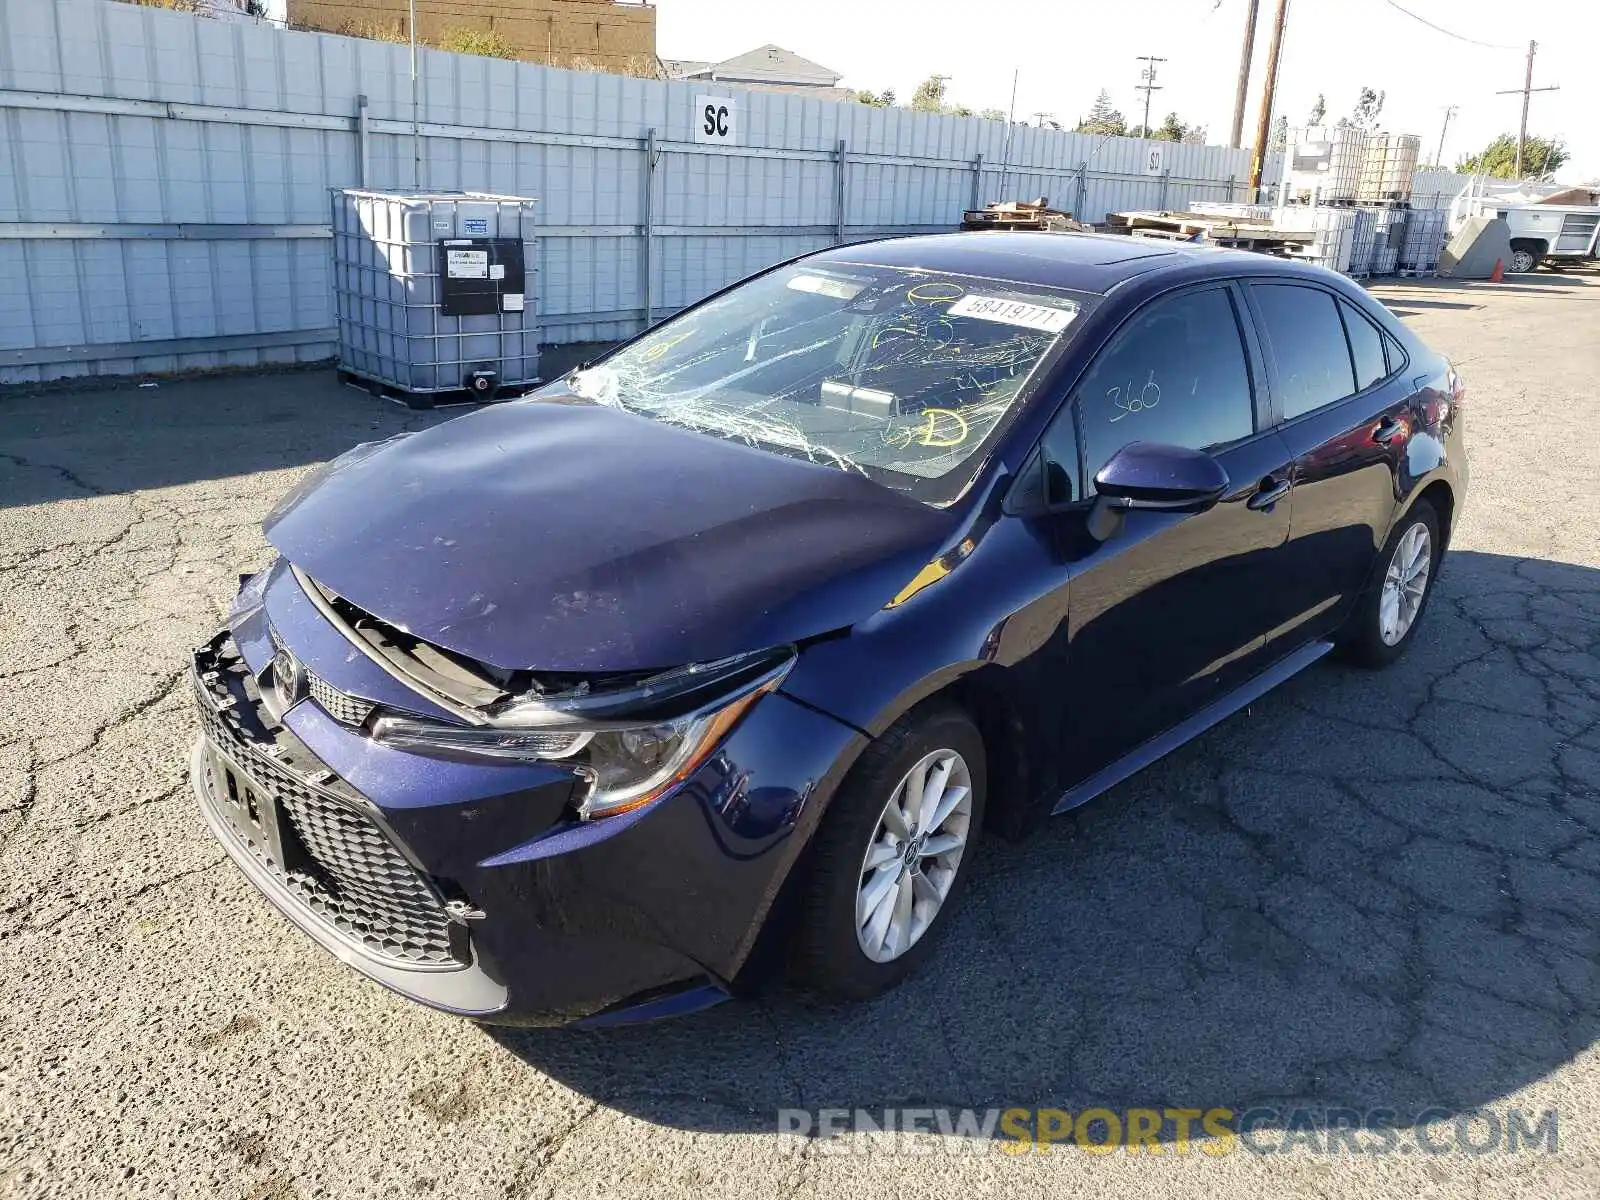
(721, 653)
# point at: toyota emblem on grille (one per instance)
(288, 678)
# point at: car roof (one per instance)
(1084, 262)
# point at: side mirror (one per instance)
(1152, 476)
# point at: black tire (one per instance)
(1523, 260)
(1362, 637)
(828, 960)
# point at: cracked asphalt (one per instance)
(1368, 890)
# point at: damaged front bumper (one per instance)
(473, 887)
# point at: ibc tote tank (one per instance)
(434, 292)
(1388, 166)
(1325, 163)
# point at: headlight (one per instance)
(625, 765)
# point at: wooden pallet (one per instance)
(1231, 232)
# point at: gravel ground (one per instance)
(1367, 890)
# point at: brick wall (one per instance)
(611, 36)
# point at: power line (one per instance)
(1448, 33)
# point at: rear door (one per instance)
(1344, 409)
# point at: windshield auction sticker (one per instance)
(1013, 312)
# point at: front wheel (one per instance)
(893, 851)
(1387, 616)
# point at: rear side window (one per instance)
(1176, 373)
(1366, 347)
(1307, 338)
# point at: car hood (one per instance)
(560, 536)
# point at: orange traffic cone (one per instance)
(1498, 275)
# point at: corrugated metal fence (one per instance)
(166, 203)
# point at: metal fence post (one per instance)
(977, 182)
(363, 144)
(1083, 190)
(650, 157)
(1166, 178)
(839, 197)
(1231, 184)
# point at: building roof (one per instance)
(765, 64)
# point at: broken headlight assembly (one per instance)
(631, 742)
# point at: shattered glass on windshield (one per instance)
(890, 372)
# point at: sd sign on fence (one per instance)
(715, 121)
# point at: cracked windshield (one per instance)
(898, 374)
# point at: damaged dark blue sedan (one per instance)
(718, 656)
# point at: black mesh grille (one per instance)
(344, 708)
(357, 880)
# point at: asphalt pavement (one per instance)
(1367, 891)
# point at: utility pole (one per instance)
(1438, 159)
(1268, 92)
(1148, 74)
(1237, 138)
(1526, 90)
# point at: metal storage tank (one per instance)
(1388, 165)
(433, 292)
(1325, 163)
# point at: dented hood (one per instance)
(574, 537)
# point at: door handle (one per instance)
(1388, 429)
(1269, 493)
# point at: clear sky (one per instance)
(1067, 50)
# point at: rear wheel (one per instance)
(1523, 260)
(1387, 616)
(891, 857)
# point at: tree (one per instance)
(1365, 114)
(1103, 118)
(1170, 130)
(1319, 110)
(883, 99)
(929, 96)
(1278, 140)
(1196, 136)
(1540, 156)
(993, 114)
(959, 110)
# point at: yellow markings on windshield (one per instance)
(658, 350)
(956, 428)
(941, 292)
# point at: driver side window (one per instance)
(1176, 373)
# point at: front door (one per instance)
(1172, 611)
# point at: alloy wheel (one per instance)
(1405, 584)
(913, 856)
(1522, 261)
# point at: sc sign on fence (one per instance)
(716, 121)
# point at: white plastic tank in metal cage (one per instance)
(1379, 234)
(1325, 163)
(1425, 233)
(1330, 233)
(1388, 165)
(434, 293)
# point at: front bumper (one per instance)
(510, 910)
